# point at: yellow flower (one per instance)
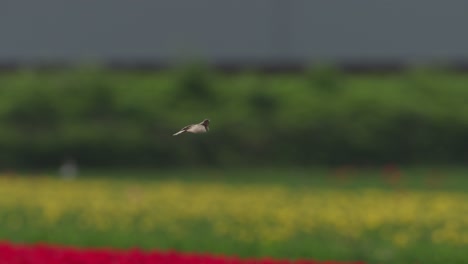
(243, 212)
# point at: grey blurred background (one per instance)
(243, 32)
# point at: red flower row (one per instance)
(49, 254)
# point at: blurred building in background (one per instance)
(243, 32)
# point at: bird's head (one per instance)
(206, 123)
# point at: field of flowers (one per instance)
(245, 220)
(51, 254)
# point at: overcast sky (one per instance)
(226, 30)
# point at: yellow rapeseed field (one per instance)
(244, 212)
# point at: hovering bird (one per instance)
(195, 128)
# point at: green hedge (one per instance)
(323, 116)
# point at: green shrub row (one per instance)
(323, 116)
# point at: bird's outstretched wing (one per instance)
(184, 129)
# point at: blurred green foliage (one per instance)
(323, 116)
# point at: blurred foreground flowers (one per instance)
(34, 254)
(240, 212)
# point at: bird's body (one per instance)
(195, 128)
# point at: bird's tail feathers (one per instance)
(178, 133)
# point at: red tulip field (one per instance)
(49, 254)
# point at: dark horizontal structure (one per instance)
(268, 34)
